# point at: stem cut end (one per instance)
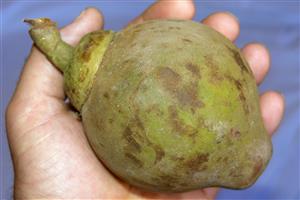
(40, 22)
(46, 37)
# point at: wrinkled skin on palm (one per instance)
(167, 105)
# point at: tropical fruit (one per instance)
(167, 105)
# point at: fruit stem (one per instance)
(47, 38)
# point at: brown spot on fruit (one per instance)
(178, 126)
(193, 69)
(188, 97)
(193, 110)
(215, 75)
(137, 30)
(82, 76)
(177, 158)
(159, 153)
(197, 162)
(167, 180)
(134, 160)
(94, 39)
(201, 123)
(169, 78)
(127, 61)
(144, 45)
(186, 40)
(225, 160)
(184, 184)
(87, 49)
(164, 45)
(73, 91)
(139, 123)
(135, 132)
(132, 45)
(128, 136)
(257, 168)
(242, 95)
(106, 95)
(238, 59)
(174, 27)
(144, 183)
(154, 109)
(100, 124)
(102, 145)
(234, 133)
(235, 173)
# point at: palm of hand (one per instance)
(61, 163)
(52, 157)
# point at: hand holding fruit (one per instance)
(44, 130)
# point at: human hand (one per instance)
(51, 155)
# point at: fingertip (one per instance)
(180, 9)
(97, 15)
(272, 108)
(90, 19)
(171, 10)
(225, 23)
(258, 57)
(184, 10)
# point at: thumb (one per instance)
(89, 20)
(39, 93)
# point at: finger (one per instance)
(258, 58)
(272, 107)
(39, 78)
(180, 9)
(225, 23)
(211, 193)
(89, 20)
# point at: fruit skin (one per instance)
(168, 105)
(175, 108)
(80, 74)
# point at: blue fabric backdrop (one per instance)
(274, 23)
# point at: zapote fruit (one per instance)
(167, 105)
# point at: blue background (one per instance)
(274, 23)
